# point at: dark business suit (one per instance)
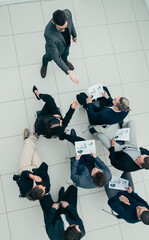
(123, 161)
(80, 174)
(102, 114)
(56, 48)
(25, 183)
(53, 221)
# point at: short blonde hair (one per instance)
(123, 104)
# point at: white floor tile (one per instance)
(147, 56)
(140, 190)
(2, 206)
(138, 104)
(143, 28)
(53, 151)
(119, 11)
(142, 128)
(137, 231)
(4, 233)
(102, 69)
(93, 17)
(125, 37)
(24, 220)
(13, 114)
(105, 233)
(30, 76)
(132, 67)
(93, 215)
(30, 48)
(26, 17)
(65, 84)
(61, 172)
(11, 88)
(79, 115)
(5, 27)
(147, 190)
(98, 38)
(14, 202)
(140, 9)
(8, 54)
(145, 173)
(10, 152)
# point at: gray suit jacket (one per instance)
(84, 180)
(55, 42)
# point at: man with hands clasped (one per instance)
(61, 218)
(128, 204)
(33, 179)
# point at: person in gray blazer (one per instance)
(87, 171)
(58, 39)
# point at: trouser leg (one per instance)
(65, 54)
(113, 192)
(132, 136)
(71, 195)
(45, 60)
(50, 106)
(72, 139)
(27, 154)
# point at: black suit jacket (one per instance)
(123, 161)
(53, 222)
(105, 115)
(26, 183)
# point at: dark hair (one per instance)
(123, 104)
(35, 193)
(99, 179)
(145, 217)
(59, 17)
(146, 163)
(71, 233)
(43, 126)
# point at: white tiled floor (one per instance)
(112, 48)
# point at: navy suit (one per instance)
(125, 211)
(123, 161)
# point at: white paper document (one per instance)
(85, 147)
(123, 134)
(118, 183)
(96, 91)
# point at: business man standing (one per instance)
(58, 39)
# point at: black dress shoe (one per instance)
(73, 132)
(61, 194)
(92, 129)
(43, 71)
(71, 67)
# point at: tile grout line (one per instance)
(6, 212)
(143, 50)
(18, 67)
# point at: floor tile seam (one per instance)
(82, 47)
(110, 35)
(21, 209)
(4, 198)
(140, 37)
(100, 228)
(84, 57)
(21, 82)
(18, 34)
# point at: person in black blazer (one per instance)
(126, 157)
(128, 204)
(58, 34)
(105, 110)
(50, 122)
(31, 171)
(61, 218)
